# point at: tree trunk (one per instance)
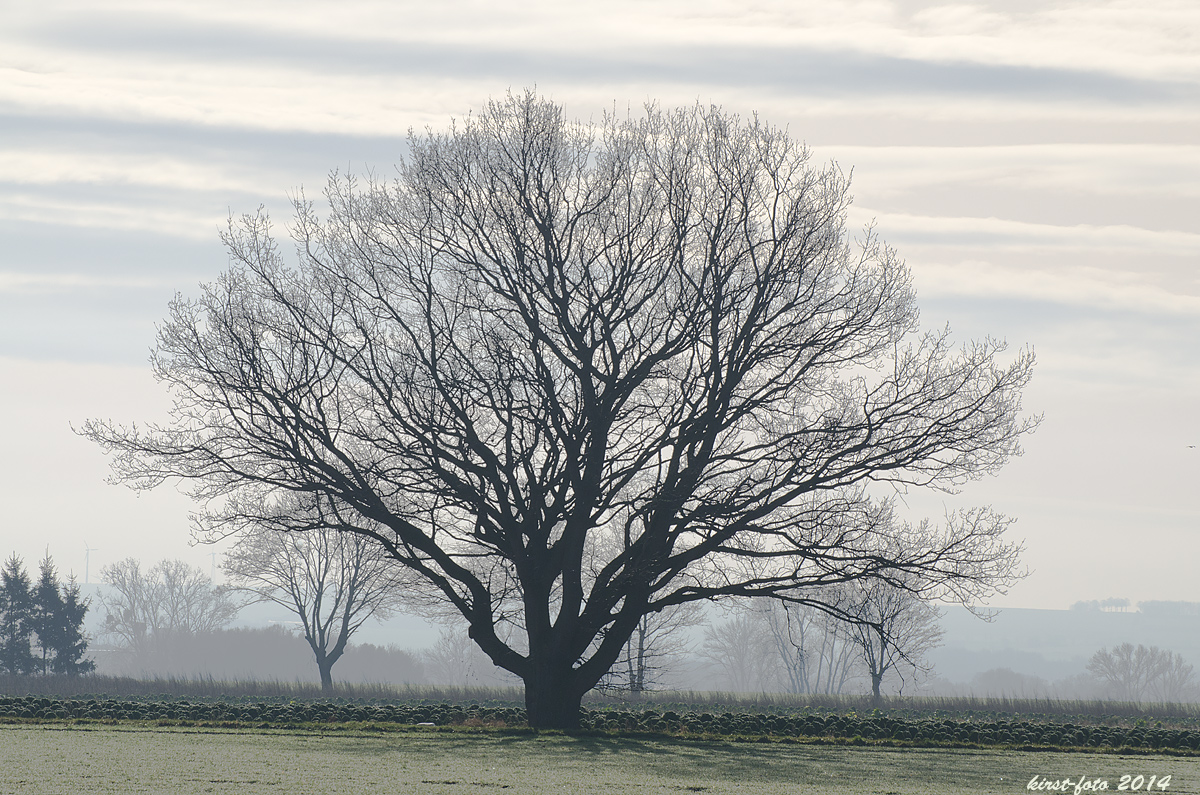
(325, 666)
(551, 708)
(326, 659)
(552, 700)
(641, 656)
(876, 680)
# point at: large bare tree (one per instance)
(543, 335)
(332, 582)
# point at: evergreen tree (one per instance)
(16, 619)
(71, 643)
(47, 614)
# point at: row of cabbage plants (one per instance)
(874, 728)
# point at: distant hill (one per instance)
(1054, 644)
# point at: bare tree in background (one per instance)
(145, 611)
(544, 335)
(1176, 680)
(333, 582)
(812, 648)
(1132, 673)
(657, 647)
(455, 659)
(658, 643)
(893, 629)
(452, 660)
(741, 652)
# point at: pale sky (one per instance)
(1036, 163)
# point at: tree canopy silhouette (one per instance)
(573, 374)
(332, 582)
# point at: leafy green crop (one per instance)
(796, 726)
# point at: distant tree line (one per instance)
(1135, 674)
(263, 654)
(1140, 673)
(869, 632)
(147, 607)
(150, 612)
(1155, 607)
(172, 618)
(1111, 605)
(875, 632)
(41, 626)
(1163, 608)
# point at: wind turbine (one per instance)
(87, 558)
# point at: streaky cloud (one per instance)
(994, 232)
(800, 69)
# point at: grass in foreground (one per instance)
(99, 759)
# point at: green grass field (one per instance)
(62, 760)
